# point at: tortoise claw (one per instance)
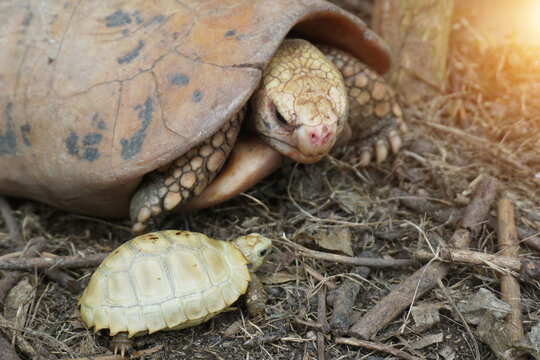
(395, 141)
(121, 342)
(381, 151)
(365, 158)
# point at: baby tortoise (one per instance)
(172, 280)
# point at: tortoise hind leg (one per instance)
(375, 117)
(121, 343)
(163, 191)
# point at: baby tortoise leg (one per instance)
(375, 117)
(121, 343)
(162, 191)
(255, 299)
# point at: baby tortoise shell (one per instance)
(172, 280)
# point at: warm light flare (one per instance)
(531, 22)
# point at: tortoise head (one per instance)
(301, 105)
(254, 247)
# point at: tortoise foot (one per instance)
(163, 191)
(375, 117)
(255, 299)
(121, 343)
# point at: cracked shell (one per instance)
(163, 280)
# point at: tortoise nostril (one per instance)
(313, 137)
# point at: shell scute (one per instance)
(94, 294)
(188, 271)
(153, 318)
(117, 320)
(119, 259)
(173, 313)
(194, 307)
(151, 243)
(119, 290)
(213, 300)
(218, 269)
(135, 320)
(151, 280)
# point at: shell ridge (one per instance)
(132, 247)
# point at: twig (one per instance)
(136, 354)
(76, 261)
(64, 280)
(311, 271)
(452, 215)
(526, 268)
(509, 246)
(426, 277)
(33, 248)
(345, 297)
(7, 350)
(349, 260)
(321, 318)
(378, 347)
(461, 318)
(11, 222)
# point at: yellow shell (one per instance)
(164, 280)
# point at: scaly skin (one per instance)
(300, 109)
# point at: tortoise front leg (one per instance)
(121, 343)
(375, 117)
(255, 298)
(163, 191)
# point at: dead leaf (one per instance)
(280, 277)
(336, 239)
(426, 341)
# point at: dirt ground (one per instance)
(486, 125)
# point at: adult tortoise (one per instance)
(172, 280)
(112, 105)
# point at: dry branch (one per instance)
(33, 248)
(377, 346)
(509, 246)
(527, 269)
(349, 260)
(426, 277)
(77, 261)
(321, 318)
(136, 354)
(345, 297)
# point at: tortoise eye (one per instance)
(262, 253)
(281, 119)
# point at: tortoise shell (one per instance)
(164, 280)
(96, 94)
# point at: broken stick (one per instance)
(76, 261)
(344, 299)
(526, 269)
(401, 297)
(321, 319)
(509, 246)
(33, 248)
